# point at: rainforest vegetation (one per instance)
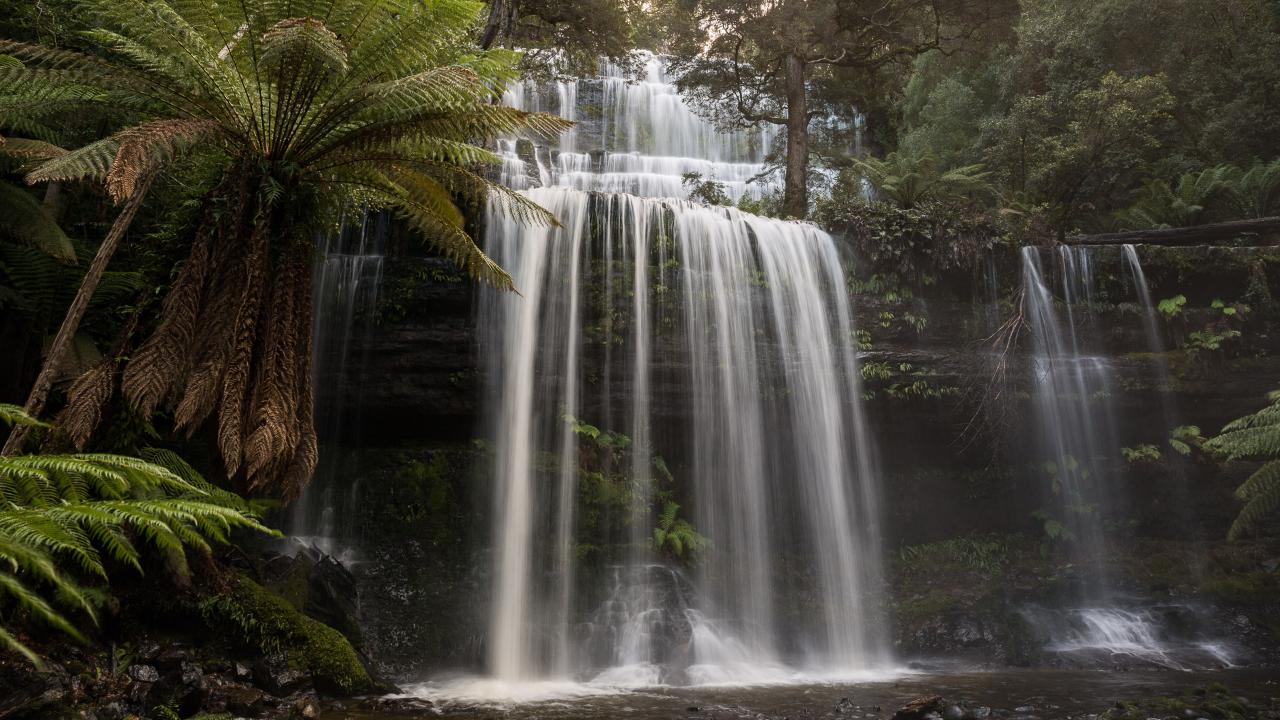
(171, 168)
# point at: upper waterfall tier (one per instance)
(634, 136)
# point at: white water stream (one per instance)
(640, 304)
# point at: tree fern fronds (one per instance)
(1255, 191)
(27, 148)
(145, 148)
(1249, 442)
(1267, 416)
(79, 511)
(425, 191)
(453, 243)
(30, 601)
(1255, 436)
(203, 488)
(1264, 502)
(297, 40)
(29, 221)
(39, 565)
(57, 535)
(91, 161)
(11, 414)
(10, 642)
(1267, 476)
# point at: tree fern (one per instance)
(1255, 191)
(1188, 201)
(63, 516)
(1257, 437)
(908, 180)
(309, 108)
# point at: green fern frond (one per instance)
(17, 415)
(64, 513)
(91, 161)
(1255, 436)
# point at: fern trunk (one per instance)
(75, 314)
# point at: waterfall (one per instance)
(1151, 326)
(716, 339)
(1071, 400)
(348, 277)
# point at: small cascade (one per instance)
(641, 303)
(639, 138)
(1132, 637)
(1071, 391)
(348, 277)
(1151, 325)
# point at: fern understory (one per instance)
(68, 523)
(1254, 437)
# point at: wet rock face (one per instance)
(422, 381)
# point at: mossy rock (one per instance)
(268, 624)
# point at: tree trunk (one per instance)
(1252, 232)
(795, 199)
(502, 17)
(71, 323)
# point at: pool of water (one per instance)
(1016, 695)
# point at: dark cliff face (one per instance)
(952, 463)
(927, 362)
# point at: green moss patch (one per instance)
(268, 624)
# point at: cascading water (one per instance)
(348, 277)
(639, 311)
(1071, 391)
(1151, 326)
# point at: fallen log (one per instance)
(1257, 231)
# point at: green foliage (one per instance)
(674, 535)
(1210, 338)
(70, 516)
(1172, 307)
(1071, 150)
(1184, 438)
(901, 381)
(909, 180)
(911, 244)
(267, 624)
(1253, 437)
(1223, 192)
(1256, 190)
(1187, 202)
(984, 553)
(384, 118)
(1081, 102)
(1056, 532)
(1142, 454)
(704, 190)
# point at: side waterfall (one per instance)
(1071, 391)
(638, 304)
(1076, 441)
(348, 278)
